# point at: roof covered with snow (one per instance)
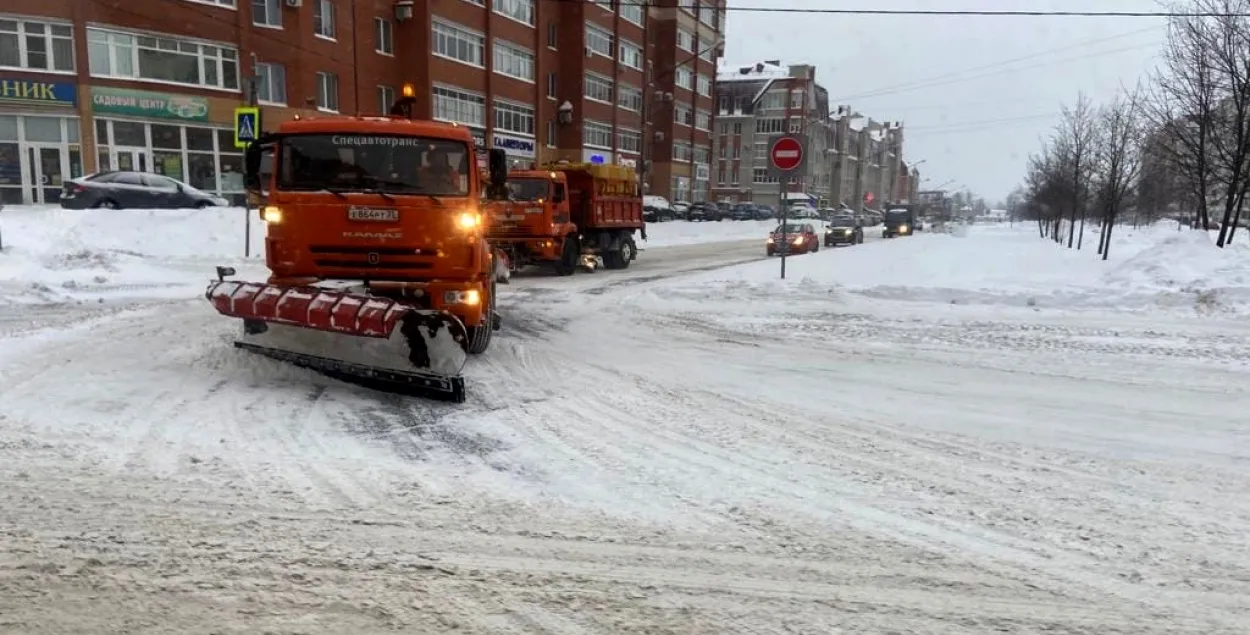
(770, 69)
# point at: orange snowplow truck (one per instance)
(380, 271)
(569, 215)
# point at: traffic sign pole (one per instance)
(787, 157)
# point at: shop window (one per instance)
(43, 129)
(102, 134)
(202, 171)
(169, 137)
(200, 139)
(129, 133)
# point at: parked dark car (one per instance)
(656, 214)
(143, 190)
(704, 212)
(797, 238)
(743, 211)
(843, 230)
(765, 212)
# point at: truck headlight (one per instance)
(903, 228)
(469, 221)
(470, 297)
(271, 214)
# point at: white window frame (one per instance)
(386, 97)
(703, 85)
(682, 151)
(553, 84)
(629, 97)
(327, 88)
(507, 112)
(221, 4)
(629, 140)
(521, 11)
(596, 36)
(702, 119)
(632, 12)
(383, 37)
(631, 54)
(23, 51)
(683, 115)
(683, 77)
(453, 31)
(271, 12)
(325, 26)
(505, 54)
(685, 40)
(601, 132)
(551, 133)
(220, 61)
(467, 101)
(590, 79)
(265, 75)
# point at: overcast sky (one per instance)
(975, 93)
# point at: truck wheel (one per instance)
(570, 257)
(619, 256)
(629, 251)
(480, 335)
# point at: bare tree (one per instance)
(1227, 36)
(1117, 161)
(1074, 142)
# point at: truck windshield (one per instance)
(897, 216)
(528, 189)
(398, 164)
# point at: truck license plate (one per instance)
(374, 214)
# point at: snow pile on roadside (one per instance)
(1150, 268)
(675, 233)
(56, 255)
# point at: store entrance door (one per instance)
(131, 159)
(48, 166)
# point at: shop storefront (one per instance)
(39, 139)
(521, 151)
(167, 134)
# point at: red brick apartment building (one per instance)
(87, 85)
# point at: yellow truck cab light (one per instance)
(271, 214)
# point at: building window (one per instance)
(760, 175)
(606, 5)
(796, 99)
(684, 78)
(687, 5)
(551, 134)
(681, 151)
(513, 61)
(120, 55)
(553, 35)
(707, 15)
(270, 83)
(598, 40)
(685, 40)
(551, 85)
(596, 134)
(327, 91)
(631, 55)
(631, 12)
(704, 85)
(702, 155)
(386, 99)
(705, 50)
(267, 13)
(629, 141)
(770, 126)
(229, 4)
(520, 10)
(453, 104)
(703, 120)
(775, 100)
(383, 36)
(796, 125)
(598, 88)
(36, 46)
(459, 44)
(323, 18)
(514, 118)
(629, 98)
(683, 115)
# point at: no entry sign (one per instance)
(786, 155)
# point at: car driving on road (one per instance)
(844, 230)
(793, 238)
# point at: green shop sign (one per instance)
(141, 103)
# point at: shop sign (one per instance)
(31, 91)
(515, 146)
(141, 103)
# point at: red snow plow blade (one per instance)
(364, 339)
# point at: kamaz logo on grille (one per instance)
(374, 235)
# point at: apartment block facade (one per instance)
(686, 39)
(852, 160)
(88, 85)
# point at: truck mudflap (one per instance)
(367, 340)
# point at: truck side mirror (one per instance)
(498, 168)
(558, 195)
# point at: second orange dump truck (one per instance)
(568, 216)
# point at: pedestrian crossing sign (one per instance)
(246, 126)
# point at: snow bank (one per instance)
(56, 255)
(674, 233)
(1149, 268)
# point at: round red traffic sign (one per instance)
(786, 154)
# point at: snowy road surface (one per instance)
(644, 451)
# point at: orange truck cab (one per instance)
(393, 203)
(567, 215)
